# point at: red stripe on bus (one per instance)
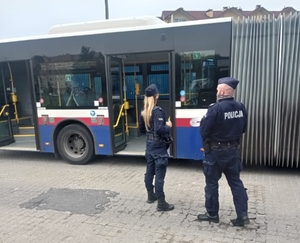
(92, 121)
(183, 122)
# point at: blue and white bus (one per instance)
(78, 91)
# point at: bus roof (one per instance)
(106, 24)
(144, 23)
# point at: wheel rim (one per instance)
(75, 144)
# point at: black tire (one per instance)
(75, 144)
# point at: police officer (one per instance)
(221, 129)
(153, 121)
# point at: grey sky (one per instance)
(35, 17)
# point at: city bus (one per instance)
(78, 91)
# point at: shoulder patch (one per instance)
(157, 107)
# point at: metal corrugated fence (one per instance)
(266, 60)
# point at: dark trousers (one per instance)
(227, 161)
(156, 166)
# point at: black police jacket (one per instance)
(157, 123)
(224, 121)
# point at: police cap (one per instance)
(229, 81)
(151, 90)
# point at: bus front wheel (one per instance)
(75, 144)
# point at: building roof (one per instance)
(220, 13)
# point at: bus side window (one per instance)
(70, 80)
(206, 98)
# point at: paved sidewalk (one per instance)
(47, 200)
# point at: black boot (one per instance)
(208, 217)
(162, 205)
(151, 196)
(240, 221)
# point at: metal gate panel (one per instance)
(288, 126)
(265, 58)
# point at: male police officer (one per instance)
(221, 129)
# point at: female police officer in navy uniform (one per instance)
(153, 121)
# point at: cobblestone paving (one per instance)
(274, 203)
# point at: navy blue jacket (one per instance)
(157, 123)
(225, 121)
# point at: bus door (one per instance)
(6, 134)
(118, 104)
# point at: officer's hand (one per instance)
(169, 123)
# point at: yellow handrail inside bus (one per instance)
(3, 108)
(125, 98)
(137, 92)
(13, 94)
(184, 77)
(119, 116)
(190, 78)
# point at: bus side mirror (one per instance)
(137, 89)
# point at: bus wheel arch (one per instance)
(74, 142)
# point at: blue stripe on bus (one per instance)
(188, 143)
(46, 137)
(101, 133)
(102, 136)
